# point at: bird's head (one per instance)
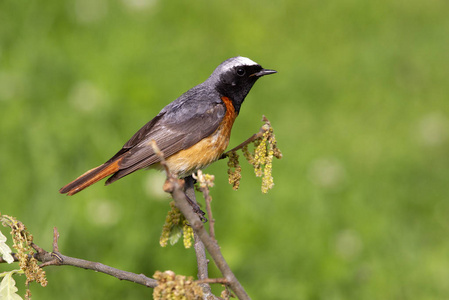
(235, 77)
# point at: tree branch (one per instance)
(204, 188)
(175, 187)
(200, 251)
(214, 280)
(55, 258)
(198, 244)
(210, 244)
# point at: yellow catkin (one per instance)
(265, 148)
(176, 287)
(173, 218)
(234, 171)
(187, 234)
(249, 156)
(175, 221)
(267, 181)
(260, 155)
(22, 241)
(272, 141)
(165, 235)
(264, 152)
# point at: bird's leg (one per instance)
(189, 191)
(196, 208)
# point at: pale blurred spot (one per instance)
(153, 184)
(433, 129)
(10, 86)
(348, 244)
(89, 11)
(139, 4)
(103, 212)
(327, 173)
(85, 96)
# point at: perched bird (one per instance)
(193, 131)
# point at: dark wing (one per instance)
(178, 126)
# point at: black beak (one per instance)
(264, 72)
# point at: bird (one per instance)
(192, 132)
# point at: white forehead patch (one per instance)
(238, 61)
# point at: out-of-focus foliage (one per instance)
(8, 287)
(360, 205)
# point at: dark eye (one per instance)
(241, 71)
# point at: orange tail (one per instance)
(90, 177)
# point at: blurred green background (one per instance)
(360, 204)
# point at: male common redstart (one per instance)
(193, 131)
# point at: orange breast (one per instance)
(208, 149)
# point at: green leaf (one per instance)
(175, 234)
(5, 251)
(8, 288)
